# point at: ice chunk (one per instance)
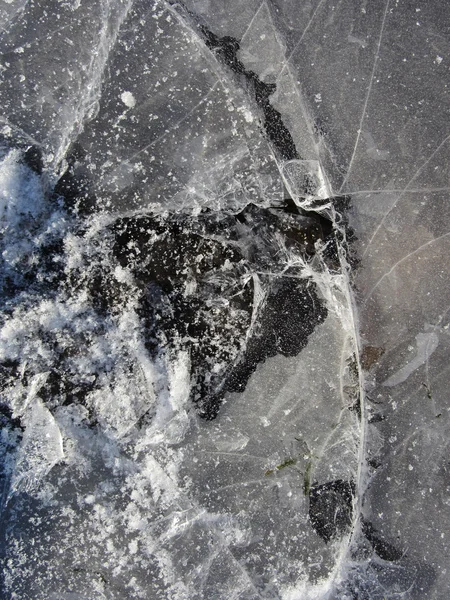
(305, 181)
(40, 450)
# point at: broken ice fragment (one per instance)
(228, 327)
(305, 181)
(226, 49)
(40, 450)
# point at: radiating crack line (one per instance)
(399, 262)
(400, 190)
(369, 91)
(173, 127)
(405, 190)
(253, 19)
(288, 58)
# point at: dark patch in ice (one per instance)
(370, 355)
(195, 278)
(33, 159)
(331, 508)
(339, 236)
(226, 49)
(7, 419)
(375, 463)
(352, 389)
(76, 189)
(376, 418)
(290, 315)
(75, 185)
(196, 275)
(44, 274)
(381, 547)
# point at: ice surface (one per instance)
(224, 211)
(426, 344)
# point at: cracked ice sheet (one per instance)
(125, 515)
(405, 245)
(402, 221)
(374, 78)
(359, 67)
(348, 46)
(40, 450)
(222, 18)
(187, 137)
(52, 59)
(263, 50)
(118, 517)
(132, 529)
(281, 415)
(197, 516)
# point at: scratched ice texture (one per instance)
(224, 329)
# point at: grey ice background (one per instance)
(372, 78)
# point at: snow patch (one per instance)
(128, 99)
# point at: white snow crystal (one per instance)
(40, 451)
(128, 99)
